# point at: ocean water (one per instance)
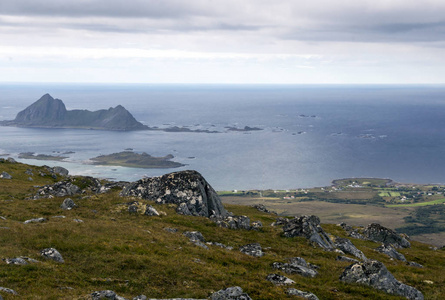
(311, 134)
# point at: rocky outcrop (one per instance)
(308, 227)
(347, 259)
(231, 293)
(373, 273)
(252, 250)
(391, 252)
(263, 208)
(279, 279)
(59, 189)
(348, 247)
(196, 238)
(187, 189)
(297, 265)
(377, 233)
(52, 254)
(50, 112)
(305, 295)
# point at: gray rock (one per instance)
(279, 279)
(78, 220)
(377, 233)
(151, 211)
(188, 187)
(183, 209)
(195, 236)
(414, 264)
(305, 295)
(280, 221)
(9, 291)
(68, 204)
(52, 254)
(257, 225)
(140, 297)
(391, 252)
(308, 227)
(252, 250)
(262, 208)
(29, 172)
(348, 259)
(11, 160)
(348, 247)
(106, 294)
(231, 293)
(171, 230)
(232, 222)
(60, 171)
(220, 245)
(296, 265)
(22, 260)
(36, 220)
(373, 273)
(5, 175)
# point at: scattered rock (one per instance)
(78, 220)
(347, 246)
(68, 204)
(5, 175)
(377, 233)
(140, 297)
(280, 221)
(220, 245)
(188, 187)
(231, 293)
(348, 259)
(297, 265)
(9, 291)
(53, 254)
(252, 250)
(376, 275)
(37, 220)
(262, 208)
(232, 222)
(306, 295)
(171, 230)
(414, 264)
(279, 279)
(106, 294)
(196, 238)
(257, 225)
(308, 227)
(21, 261)
(151, 211)
(391, 252)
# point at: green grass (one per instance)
(133, 254)
(389, 194)
(438, 201)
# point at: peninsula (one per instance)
(135, 160)
(48, 112)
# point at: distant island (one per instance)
(48, 112)
(135, 160)
(32, 155)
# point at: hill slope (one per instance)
(107, 246)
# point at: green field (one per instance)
(389, 194)
(438, 201)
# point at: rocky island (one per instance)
(136, 160)
(48, 112)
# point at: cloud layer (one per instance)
(227, 38)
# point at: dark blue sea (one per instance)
(311, 134)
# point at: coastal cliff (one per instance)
(52, 113)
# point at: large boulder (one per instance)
(187, 189)
(347, 246)
(308, 227)
(5, 175)
(52, 254)
(391, 252)
(68, 204)
(374, 273)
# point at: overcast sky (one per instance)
(223, 41)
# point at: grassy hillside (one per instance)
(133, 254)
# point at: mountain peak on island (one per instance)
(48, 112)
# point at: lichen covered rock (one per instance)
(377, 233)
(308, 227)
